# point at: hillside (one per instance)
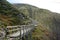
(48, 28)
(9, 15)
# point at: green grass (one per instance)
(9, 15)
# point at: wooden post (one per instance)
(6, 33)
(23, 32)
(20, 34)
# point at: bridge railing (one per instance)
(13, 29)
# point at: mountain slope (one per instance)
(48, 28)
(9, 15)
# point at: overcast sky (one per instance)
(53, 5)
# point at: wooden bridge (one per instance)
(18, 31)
